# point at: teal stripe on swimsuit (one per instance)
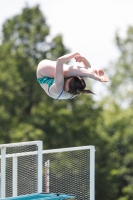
(46, 80)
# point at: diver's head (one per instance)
(75, 85)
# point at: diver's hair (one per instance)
(76, 85)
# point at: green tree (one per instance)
(118, 123)
(121, 71)
(117, 167)
(24, 44)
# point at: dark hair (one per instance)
(76, 85)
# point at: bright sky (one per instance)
(87, 26)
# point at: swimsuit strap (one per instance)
(72, 97)
(48, 91)
(60, 94)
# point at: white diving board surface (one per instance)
(42, 196)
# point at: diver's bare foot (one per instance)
(102, 76)
(98, 75)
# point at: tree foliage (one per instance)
(121, 71)
(24, 45)
(118, 117)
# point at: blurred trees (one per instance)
(118, 118)
(121, 71)
(24, 45)
(27, 113)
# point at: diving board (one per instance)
(42, 196)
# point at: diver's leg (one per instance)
(46, 68)
(83, 72)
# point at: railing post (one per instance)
(92, 172)
(15, 176)
(3, 170)
(39, 166)
(47, 164)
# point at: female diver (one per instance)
(61, 81)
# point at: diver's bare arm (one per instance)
(86, 63)
(67, 57)
(82, 59)
(59, 76)
(59, 73)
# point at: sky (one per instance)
(87, 26)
